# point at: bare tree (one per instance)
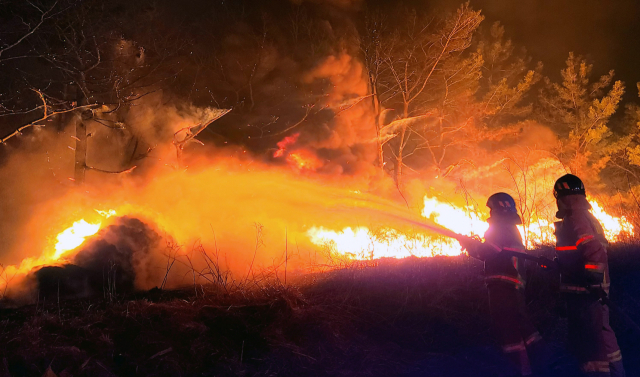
(10, 40)
(80, 69)
(413, 56)
(446, 91)
(372, 46)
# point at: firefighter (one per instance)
(520, 341)
(581, 250)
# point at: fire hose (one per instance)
(545, 263)
(542, 261)
(598, 292)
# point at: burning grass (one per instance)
(417, 316)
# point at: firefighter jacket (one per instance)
(502, 235)
(581, 247)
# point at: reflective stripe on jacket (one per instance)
(500, 268)
(581, 247)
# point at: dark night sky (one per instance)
(606, 32)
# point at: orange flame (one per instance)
(361, 243)
(304, 160)
(318, 212)
(67, 240)
(74, 236)
(614, 227)
(284, 144)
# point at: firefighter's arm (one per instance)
(594, 254)
(477, 249)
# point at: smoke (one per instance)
(38, 169)
(130, 250)
(141, 135)
(242, 215)
(222, 204)
(123, 256)
(344, 139)
(226, 200)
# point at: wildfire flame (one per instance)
(362, 243)
(67, 240)
(300, 159)
(326, 216)
(304, 160)
(74, 236)
(284, 144)
(614, 227)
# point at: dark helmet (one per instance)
(502, 203)
(568, 184)
(503, 206)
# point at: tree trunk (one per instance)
(376, 113)
(398, 168)
(81, 150)
(397, 176)
(380, 155)
(80, 165)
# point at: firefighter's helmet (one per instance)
(568, 184)
(502, 203)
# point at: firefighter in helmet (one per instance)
(581, 250)
(520, 341)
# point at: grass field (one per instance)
(411, 317)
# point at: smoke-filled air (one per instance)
(311, 134)
(319, 188)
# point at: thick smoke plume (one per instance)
(220, 202)
(122, 257)
(298, 150)
(344, 140)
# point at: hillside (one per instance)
(411, 317)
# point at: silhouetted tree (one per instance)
(579, 110)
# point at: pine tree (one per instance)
(631, 141)
(507, 79)
(579, 110)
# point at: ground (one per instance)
(412, 317)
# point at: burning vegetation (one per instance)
(330, 152)
(240, 152)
